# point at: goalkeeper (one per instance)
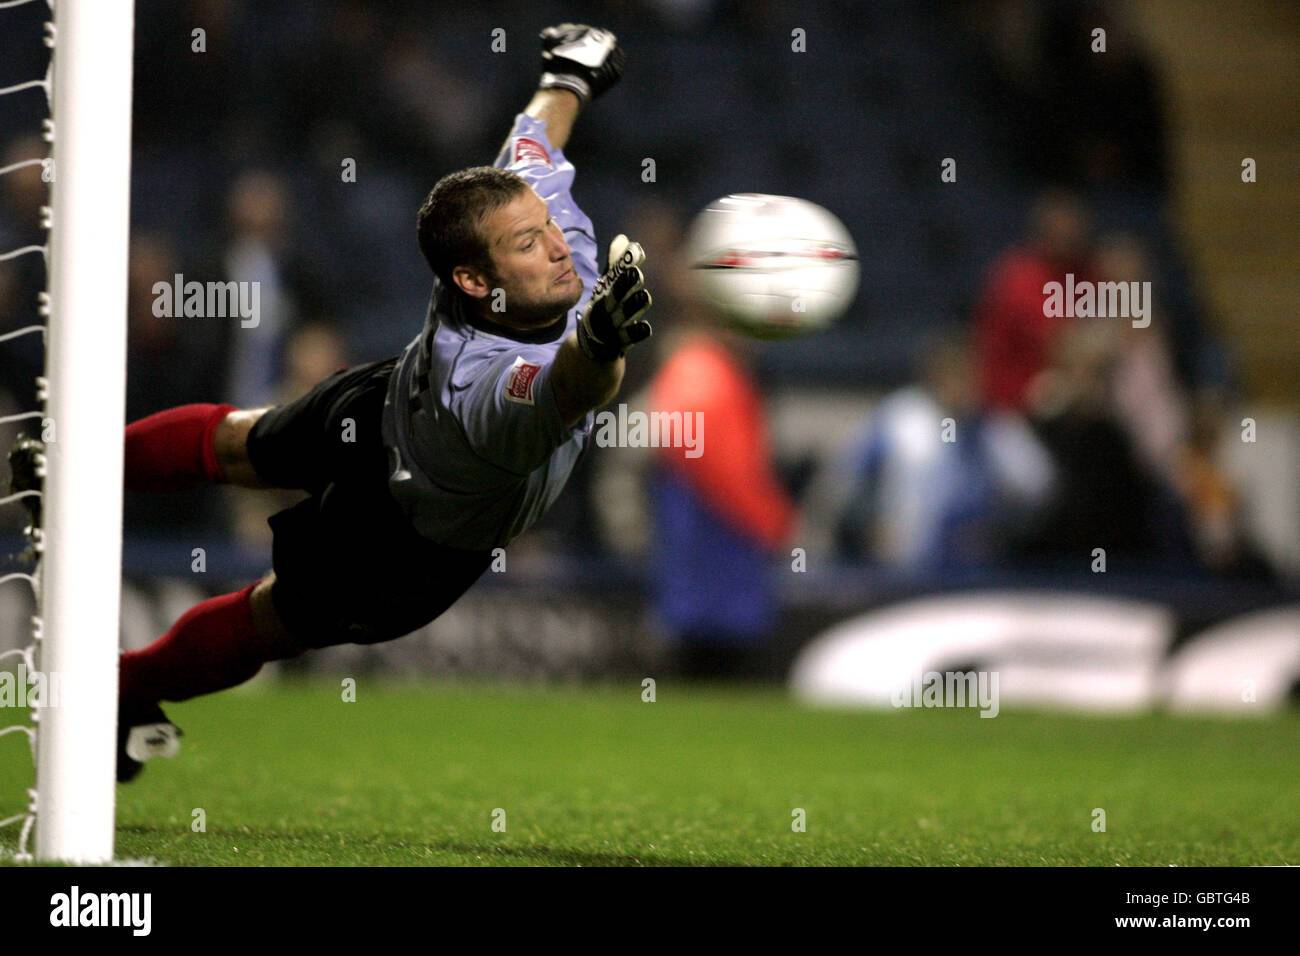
(420, 466)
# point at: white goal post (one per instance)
(86, 373)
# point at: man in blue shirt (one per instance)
(418, 467)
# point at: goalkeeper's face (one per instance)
(531, 264)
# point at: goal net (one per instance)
(71, 661)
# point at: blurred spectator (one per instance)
(22, 193)
(1216, 507)
(20, 363)
(330, 83)
(1008, 69)
(256, 251)
(184, 96)
(1111, 100)
(1174, 433)
(171, 360)
(936, 481)
(1014, 336)
(314, 351)
(1065, 114)
(427, 109)
(1150, 402)
(1105, 498)
(719, 517)
(1138, 456)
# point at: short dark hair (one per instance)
(450, 222)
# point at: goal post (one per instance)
(85, 372)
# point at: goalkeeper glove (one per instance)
(584, 60)
(611, 323)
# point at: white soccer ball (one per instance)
(773, 267)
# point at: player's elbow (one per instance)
(575, 403)
(581, 385)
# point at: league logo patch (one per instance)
(529, 152)
(519, 382)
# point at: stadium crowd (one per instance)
(248, 117)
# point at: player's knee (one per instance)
(268, 624)
(230, 442)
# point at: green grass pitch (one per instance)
(290, 774)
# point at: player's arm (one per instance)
(518, 409)
(588, 368)
(580, 384)
(558, 109)
(517, 406)
(578, 64)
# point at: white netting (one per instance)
(26, 655)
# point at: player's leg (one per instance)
(224, 640)
(275, 637)
(349, 566)
(309, 442)
(350, 569)
(353, 572)
(217, 644)
(295, 445)
(187, 446)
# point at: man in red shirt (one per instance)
(1014, 336)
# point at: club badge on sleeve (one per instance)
(519, 381)
(529, 152)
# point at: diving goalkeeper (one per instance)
(419, 466)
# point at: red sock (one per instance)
(173, 450)
(213, 646)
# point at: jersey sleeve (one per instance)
(529, 153)
(508, 411)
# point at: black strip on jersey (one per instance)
(531, 336)
(540, 336)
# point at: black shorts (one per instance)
(349, 568)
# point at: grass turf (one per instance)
(289, 774)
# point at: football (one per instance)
(772, 267)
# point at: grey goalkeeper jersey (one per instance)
(477, 448)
